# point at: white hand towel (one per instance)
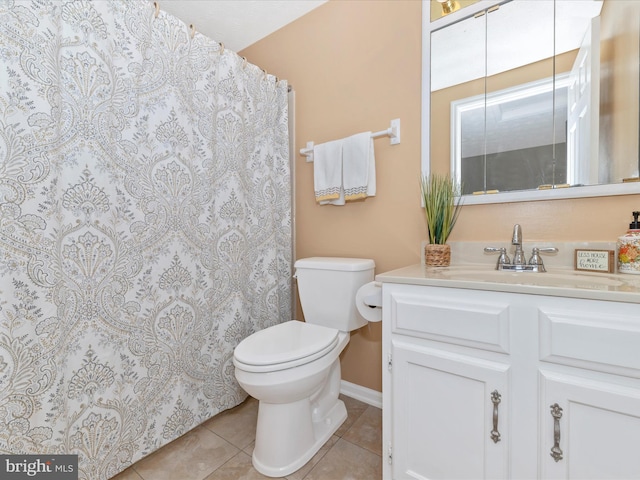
(358, 167)
(327, 171)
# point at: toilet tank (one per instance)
(327, 288)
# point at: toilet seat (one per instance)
(283, 346)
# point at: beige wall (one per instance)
(355, 65)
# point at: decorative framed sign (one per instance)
(587, 260)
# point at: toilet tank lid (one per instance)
(336, 263)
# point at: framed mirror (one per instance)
(533, 99)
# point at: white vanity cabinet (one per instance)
(474, 378)
(589, 354)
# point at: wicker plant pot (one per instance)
(436, 255)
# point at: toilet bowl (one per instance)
(293, 368)
(299, 408)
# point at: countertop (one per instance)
(559, 282)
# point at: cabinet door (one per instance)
(444, 418)
(595, 435)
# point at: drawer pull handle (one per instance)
(495, 398)
(556, 413)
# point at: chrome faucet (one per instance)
(519, 263)
(516, 240)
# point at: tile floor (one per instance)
(221, 449)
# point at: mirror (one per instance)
(543, 121)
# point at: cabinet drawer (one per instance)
(453, 316)
(599, 338)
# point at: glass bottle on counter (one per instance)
(628, 248)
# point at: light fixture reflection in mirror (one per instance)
(436, 12)
(449, 6)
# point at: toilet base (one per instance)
(319, 432)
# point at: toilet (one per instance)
(293, 368)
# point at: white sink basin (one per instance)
(548, 279)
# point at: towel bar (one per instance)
(393, 132)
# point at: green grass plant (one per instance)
(442, 203)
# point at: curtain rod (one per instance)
(192, 29)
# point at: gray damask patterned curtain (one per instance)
(145, 227)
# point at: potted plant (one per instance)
(442, 202)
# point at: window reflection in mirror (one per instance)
(520, 152)
(512, 147)
(549, 121)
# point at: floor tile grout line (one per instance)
(228, 440)
(335, 445)
(229, 460)
(353, 424)
(360, 446)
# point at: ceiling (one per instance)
(238, 23)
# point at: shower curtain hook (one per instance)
(193, 30)
(244, 62)
(156, 5)
(265, 73)
(221, 48)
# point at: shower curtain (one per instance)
(145, 227)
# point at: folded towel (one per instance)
(327, 171)
(358, 167)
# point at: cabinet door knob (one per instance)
(495, 398)
(556, 413)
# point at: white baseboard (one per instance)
(366, 395)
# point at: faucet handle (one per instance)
(503, 259)
(536, 259)
(546, 249)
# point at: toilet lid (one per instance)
(286, 342)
